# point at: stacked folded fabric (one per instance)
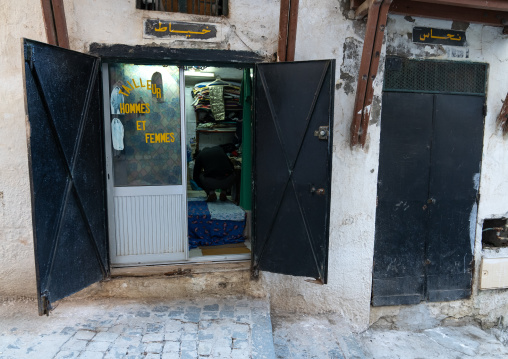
(201, 95)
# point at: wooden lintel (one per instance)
(502, 119)
(446, 12)
(49, 22)
(494, 5)
(374, 65)
(55, 23)
(363, 75)
(60, 23)
(288, 21)
(293, 22)
(283, 30)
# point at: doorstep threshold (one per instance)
(182, 268)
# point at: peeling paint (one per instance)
(350, 64)
(472, 225)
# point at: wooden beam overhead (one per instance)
(376, 24)
(288, 22)
(283, 30)
(55, 23)
(446, 12)
(293, 22)
(494, 5)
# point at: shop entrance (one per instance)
(79, 187)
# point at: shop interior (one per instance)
(217, 112)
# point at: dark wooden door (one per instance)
(430, 153)
(66, 170)
(292, 167)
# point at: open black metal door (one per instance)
(66, 170)
(292, 167)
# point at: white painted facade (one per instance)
(324, 32)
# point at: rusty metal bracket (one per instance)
(322, 133)
(376, 24)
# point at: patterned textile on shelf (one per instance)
(223, 224)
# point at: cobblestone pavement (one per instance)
(237, 328)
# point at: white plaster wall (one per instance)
(17, 268)
(324, 32)
(250, 26)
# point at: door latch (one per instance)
(322, 133)
(318, 191)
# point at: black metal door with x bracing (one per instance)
(292, 167)
(66, 170)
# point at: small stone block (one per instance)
(211, 308)
(106, 337)
(189, 345)
(84, 334)
(173, 347)
(154, 348)
(153, 337)
(205, 347)
(95, 346)
(189, 355)
(173, 337)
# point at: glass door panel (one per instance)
(145, 174)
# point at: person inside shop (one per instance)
(213, 170)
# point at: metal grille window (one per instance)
(197, 7)
(430, 76)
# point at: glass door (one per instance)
(146, 175)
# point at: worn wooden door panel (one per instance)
(292, 167)
(455, 175)
(401, 216)
(66, 170)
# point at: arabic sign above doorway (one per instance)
(161, 29)
(429, 35)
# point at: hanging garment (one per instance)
(116, 100)
(217, 103)
(117, 134)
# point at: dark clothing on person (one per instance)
(213, 170)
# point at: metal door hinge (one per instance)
(29, 54)
(322, 133)
(46, 305)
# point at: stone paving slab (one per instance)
(230, 328)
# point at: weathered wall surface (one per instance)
(249, 26)
(324, 32)
(484, 44)
(17, 269)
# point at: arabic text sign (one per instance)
(161, 28)
(429, 35)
